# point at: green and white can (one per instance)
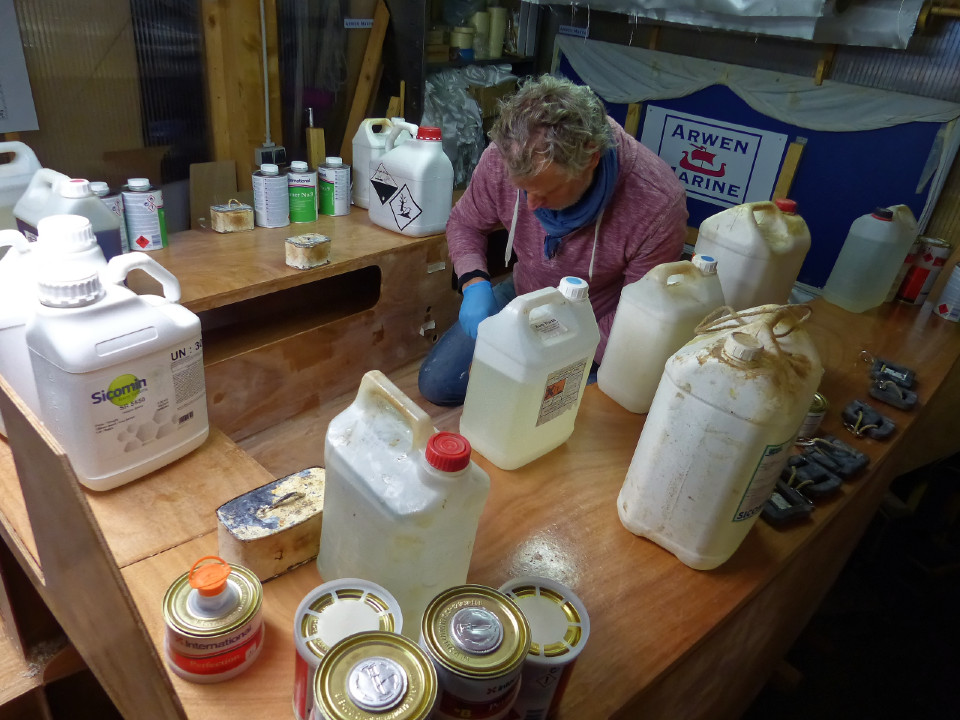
(334, 187)
(302, 187)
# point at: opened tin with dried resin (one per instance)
(477, 638)
(375, 675)
(214, 621)
(815, 415)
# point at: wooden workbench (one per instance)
(666, 641)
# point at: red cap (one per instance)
(448, 451)
(787, 206)
(429, 133)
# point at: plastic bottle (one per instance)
(530, 367)
(719, 432)
(401, 502)
(52, 193)
(369, 144)
(657, 314)
(870, 258)
(113, 201)
(412, 184)
(759, 248)
(119, 375)
(15, 176)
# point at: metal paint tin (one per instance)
(144, 215)
(214, 621)
(811, 423)
(926, 268)
(559, 628)
(375, 675)
(333, 187)
(302, 188)
(478, 639)
(948, 304)
(329, 613)
(271, 197)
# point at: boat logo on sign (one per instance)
(384, 184)
(405, 208)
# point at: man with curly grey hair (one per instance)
(579, 196)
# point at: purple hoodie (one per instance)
(644, 225)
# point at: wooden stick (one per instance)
(368, 72)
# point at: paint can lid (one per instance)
(138, 183)
(209, 579)
(332, 160)
(270, 169)
(299, 166)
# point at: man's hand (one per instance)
(478, 304)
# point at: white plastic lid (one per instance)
(334, 160)
(558, 619)
(63, 234)
(138, 183)
(299, 166)
(56, 288)
(706, 264)
(270, 169)
(573, 288)
(74, 188)
(741, 346)
(99, 188)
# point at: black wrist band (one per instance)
(467, 276)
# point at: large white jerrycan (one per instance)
(401, 502)
(119, 376)
(657, 314)
(411, 185)
(870, 258)
(32, 205)
(530, 367)
(720, 430)
(369, 144)
(15, 176)
(759, 248)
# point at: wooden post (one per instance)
(365, 83)
(632, 123)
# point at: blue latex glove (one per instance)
(478, 304)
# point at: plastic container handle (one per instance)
(24, 159)
(523, 304)
(662, 273)
(13, 239)
(43, 182)
(367, 126)
(399, 127)
(120, 266)
(376, 386)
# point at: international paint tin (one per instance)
(559, 628)
(329, 613)
(948, 304)
(478, 639)
(334, 187)
(811, 423)
(302, 188)
(375, 675)
(271, 197)
(926, 268)
(144, 214)
(214, 622)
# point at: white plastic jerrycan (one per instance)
(15, 176)
(759, 248)
(401, 503)
(870, 258)
(119, 376)
(720, 430)
(657, 314)
(411, 185)
(369, 144)
(530, 367)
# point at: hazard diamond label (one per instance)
(384, 184)
(405, 210)
(142, 241)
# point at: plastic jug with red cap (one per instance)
(401, 503)
(759, 248)
(411, 185)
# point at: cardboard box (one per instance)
(488, 97)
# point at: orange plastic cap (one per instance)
(210, 579)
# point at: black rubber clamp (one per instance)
(863, 420)
(892, 394)
(785, 505)
(836, 456)
(901, 375)
(809, 477)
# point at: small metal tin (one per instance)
(478, 639)
(816, 413)
(374, 675)
(329, 613)
(214, 632)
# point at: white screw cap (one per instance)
(100, 188)
(74, 188)
(65, 234)
(270, 169)
(298, 166)
(138, 183)
(334, 160)
(741, 346)
(706, 264)
(573, 288)
(57, 291)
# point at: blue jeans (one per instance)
(446, 369)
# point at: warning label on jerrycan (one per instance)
(383, 184)
(763, 481)
(561, 392)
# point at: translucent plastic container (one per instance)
(720, 430)
(401, 503)
(759, 248)
(369, 144)
(870, 258)
(411, 185)
(15, 176)
(530, 367)
(17, 295)
(120, 376)
(657, 314)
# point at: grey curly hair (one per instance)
(551, 120)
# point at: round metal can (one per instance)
(811, 423)
(948, 304)
(926, 269)
(375, 675)
(144, 215)
(559, 628)
(329, 613)
(478, 639)
(271, 197)
(333, 187)
(214, 621)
